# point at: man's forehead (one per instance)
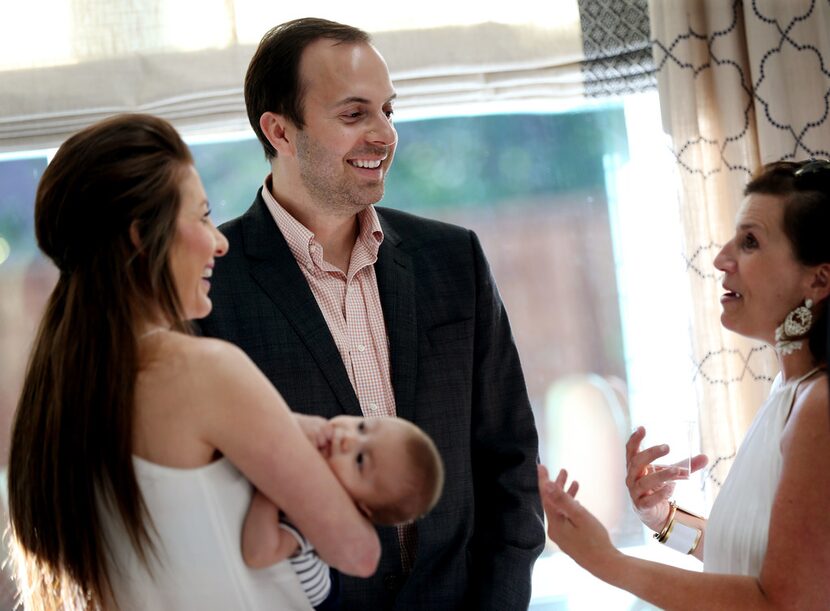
(350, 69)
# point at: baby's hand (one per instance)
(315, 428)
(325, 437)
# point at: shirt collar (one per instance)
(301, 240)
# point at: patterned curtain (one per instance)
(741, 83)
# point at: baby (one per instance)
(389, 467)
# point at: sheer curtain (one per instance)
(740, 84)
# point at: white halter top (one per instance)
(738, 525)
(198, 515)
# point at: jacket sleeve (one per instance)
(509, 525)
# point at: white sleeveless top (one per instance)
(738, 525)
(198, 516)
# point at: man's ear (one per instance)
(278, 132)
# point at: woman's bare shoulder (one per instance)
(808, 427)
(208, 353)
(811, 406)
(188, 361)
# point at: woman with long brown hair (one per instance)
(133, 441)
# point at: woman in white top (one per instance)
(766, 544)
(134, 440)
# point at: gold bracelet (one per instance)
(663, 534)
(687, 537)
(697, 540)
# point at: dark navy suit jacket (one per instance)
(455, 373)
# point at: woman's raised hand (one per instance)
(572, 527)
(651, 488)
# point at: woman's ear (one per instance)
(821, 282)
(276, 129)
(135, 236)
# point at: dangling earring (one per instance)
(797, 324)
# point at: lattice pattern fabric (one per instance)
(741, 84)
(617, 47)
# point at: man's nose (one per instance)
(382, 132)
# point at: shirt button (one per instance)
(361, 347)
(373, 407)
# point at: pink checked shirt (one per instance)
(350, 303)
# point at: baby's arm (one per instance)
(262, 542)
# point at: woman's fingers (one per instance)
(564, 502)
(659, 477)
(640, 463)
(632, 446)
(654, 498)
(699, 462)
(573, 488)
(553, 492)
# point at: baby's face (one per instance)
(367, 456)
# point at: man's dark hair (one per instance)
(272, 83)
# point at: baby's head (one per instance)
(389, 466)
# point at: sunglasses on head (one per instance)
(813, 174)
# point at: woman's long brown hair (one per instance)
(105, 213)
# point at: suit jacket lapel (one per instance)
(274, 268)
(396, 283)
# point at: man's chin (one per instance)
(375, 195)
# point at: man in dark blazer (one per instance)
(320, 99)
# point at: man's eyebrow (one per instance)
(355, 99)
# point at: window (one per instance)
(25, 283)
(579, 223)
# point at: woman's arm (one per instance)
(797, 561)
(247, 420)
(262, 543)
(580, 535)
